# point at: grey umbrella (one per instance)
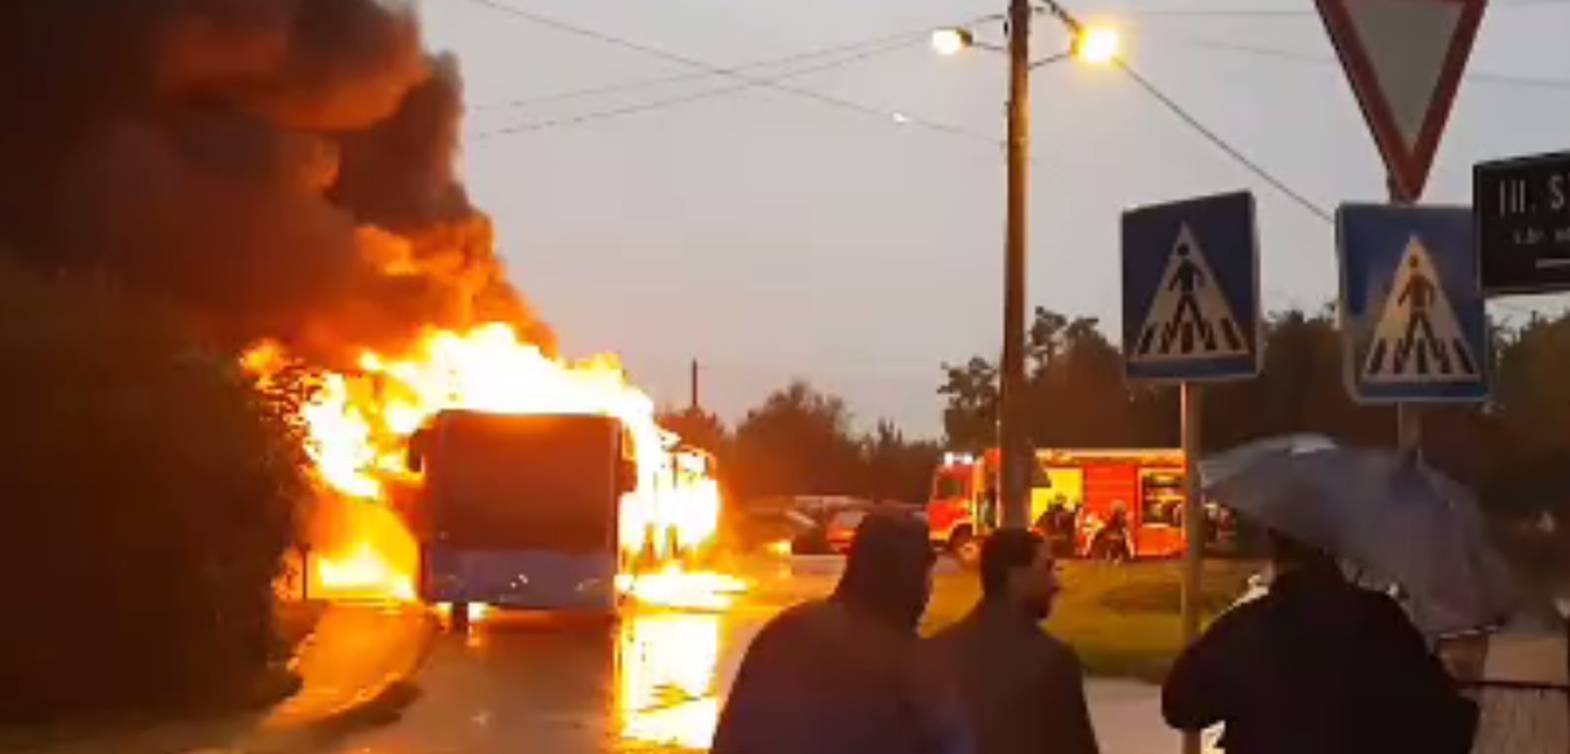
(1384, 512)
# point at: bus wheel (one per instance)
(460, 617)
(965, 548)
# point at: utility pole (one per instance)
(693, 404)
(1013, 451)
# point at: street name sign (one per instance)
(1191, 290)
(1404, 59)
(1412, 321)
(1522, 209)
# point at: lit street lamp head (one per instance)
(1097, 45)
(951, 41)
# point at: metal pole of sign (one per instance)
(1193, 528)
(1409, 417)
(1409, 428)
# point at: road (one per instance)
(650, 682)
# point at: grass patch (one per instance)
(1123, 620)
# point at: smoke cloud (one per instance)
(277, 168)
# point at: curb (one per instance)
(380, 703)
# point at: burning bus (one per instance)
(520, 510)
(474, 468)
(1115, 504)
(525, 510)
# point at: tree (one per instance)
(797, 442)
(1301, 388)
(896, 469)
(699, 428)
(1531, 451)
(150, 494)
(800, 442)
(970, 419)
(1076, 394)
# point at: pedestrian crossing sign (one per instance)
(1190, 290)
(1412, 317)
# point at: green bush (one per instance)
(146, 496)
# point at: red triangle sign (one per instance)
(1404, 59)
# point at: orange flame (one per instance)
(358, 426)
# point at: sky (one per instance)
(851, 232)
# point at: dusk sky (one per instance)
(858, 243)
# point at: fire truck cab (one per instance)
(1115, 504)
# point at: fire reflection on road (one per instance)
(666, 667)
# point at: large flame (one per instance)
(358, 426)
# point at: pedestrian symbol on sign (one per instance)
(1417, 337)
(1189, 317)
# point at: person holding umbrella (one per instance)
(1317, 666)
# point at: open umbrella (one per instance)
(1384, 512)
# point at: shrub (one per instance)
(148, 494)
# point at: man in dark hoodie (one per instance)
(839, 676)
(1317, 666)
(1021, 690)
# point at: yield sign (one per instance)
(1404, 59)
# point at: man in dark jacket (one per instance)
(1317, 666)
(1020, 689)
(840, 676)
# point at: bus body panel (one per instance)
(521, 510)
(528, 579)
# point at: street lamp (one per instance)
(1096, 45)
(949, 42)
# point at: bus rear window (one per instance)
(514, 483)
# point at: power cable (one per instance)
(1268, 13)
(675, 101)
(698, 75)
(751, 81)
(1222, 144)
(1310, 58)
(1209, 135)
(899, 117)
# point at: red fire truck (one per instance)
(1116, 504)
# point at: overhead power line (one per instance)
(1290, 13)
(839, 102)
(1222, 144)
(623, 86)
(1325, 60)
(1211, 136)
(749, 81)
(704, 94)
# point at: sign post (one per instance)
(1522, 211)
(1191, 315)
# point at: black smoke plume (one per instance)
(276, 168)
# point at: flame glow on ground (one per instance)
(358, 426)
(674, 587)
(666, 693)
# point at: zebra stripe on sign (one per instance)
(1189, 317)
